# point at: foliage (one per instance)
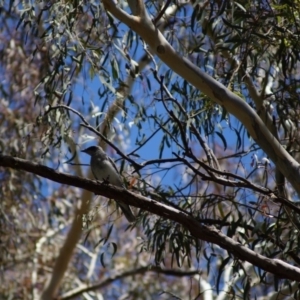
(71, 73)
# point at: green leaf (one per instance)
(115, 248)
(239, 140)
(108, 233)
(223, 139)
(221, 268)
(102, 260)
(115, 68)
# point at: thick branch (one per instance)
(145, 28)
(206, 233)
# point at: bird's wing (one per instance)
(113, 164)
(94, 173)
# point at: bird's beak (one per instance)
(84, 150)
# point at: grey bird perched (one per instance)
(105, 169)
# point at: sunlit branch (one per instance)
(217, 92)
(139, 271)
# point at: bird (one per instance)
(104, 168)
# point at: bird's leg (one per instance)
(103, 181)
(106, 180)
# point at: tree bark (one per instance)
(199, 231)
(144, 27)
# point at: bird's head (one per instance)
(91, 150)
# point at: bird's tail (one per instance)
(127, 212)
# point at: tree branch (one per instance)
(161, 13)
(206, 233)
(79, 291)
(217, 92)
